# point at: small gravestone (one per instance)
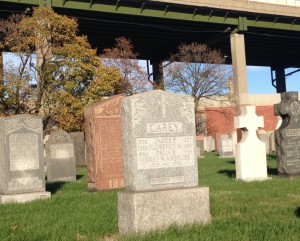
(250, 161)
(200, 148)
(60, 157)
(79, 147)
(272, 142)
(104, 149)
(210, 143)
(287, 136)
(226, 147)
(264, 137)
(160, 164)
(22, 172)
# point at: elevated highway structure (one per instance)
(248, 32)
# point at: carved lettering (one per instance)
(61, 151)
(24, 153)
(165, 152)
(164, 127)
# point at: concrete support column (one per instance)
(238, 57)
(158, 75)
(280, 80)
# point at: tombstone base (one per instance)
(146, 211)
(259, 179)
(92, 187)
(23, 197)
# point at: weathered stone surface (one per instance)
(210, 144)
(226, 147)
(24, 197)
(159, 141)
(200, 148)
(21, 155)
(161, 171)
(287, 136)
(79, 148)
(233, 136)
(60, 157)
(104, 149)
(264, 137)
(140, 212)
(250, 160)
(272, 147)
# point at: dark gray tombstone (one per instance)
(287, 136)
(60, 157)
(79, 148)
(22, 172)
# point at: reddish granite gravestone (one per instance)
(104, 149)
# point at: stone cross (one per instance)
(251, 162)
(287, 136)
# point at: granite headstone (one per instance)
(226, 147)
(160, 164)
(22, 172)
(287, 136)
(60, 157)
(104, 148)
(79, 147)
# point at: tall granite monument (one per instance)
(287, 136)
(22, 168)
(104, 149)
(160, 164)
(60, 157)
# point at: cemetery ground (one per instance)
(268, 210)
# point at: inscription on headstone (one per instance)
(60, 157)
(104, 149)
(22, 174)
(287, 136)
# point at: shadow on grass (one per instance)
(297, 212)
(271, 156)
(53, 187)
(272, 171)
(79, 177)
(229, 173)
(231, 162)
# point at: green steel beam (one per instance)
(166, 12)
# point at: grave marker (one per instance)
(226, 147)
(287, 136)
(22, 172)
(104, 149)
(251, 161)
(160, 164)
(60, 157)
(79, 147)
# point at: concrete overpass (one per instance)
(252, 32)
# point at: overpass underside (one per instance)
(270, 33)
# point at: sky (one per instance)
(259, 78)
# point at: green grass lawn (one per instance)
(268, 210)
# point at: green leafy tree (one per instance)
(59, 73)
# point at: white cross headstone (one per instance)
(251, 161)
